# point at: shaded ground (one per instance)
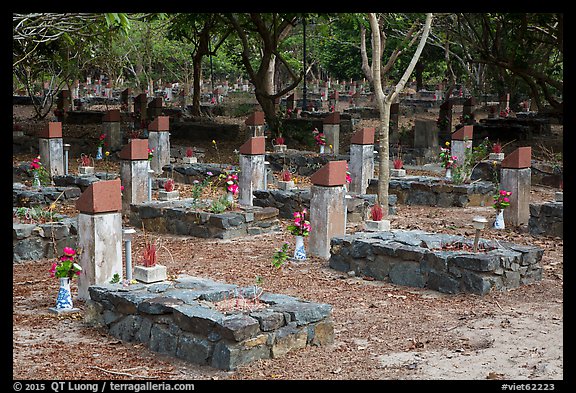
(382, 331)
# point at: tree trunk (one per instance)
(196, 82)
(419, 70)
(385, 101)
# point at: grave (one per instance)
(435, 191)
(441, 262)
(547, 219)
(208, 322)
(187, 217)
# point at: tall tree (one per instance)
(260, 36)
(384, 101)
(527, 45)
(56, 46)
(206, 32)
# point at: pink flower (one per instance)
(506, 200)
(53, 270)
(502, 192)
(69, 251)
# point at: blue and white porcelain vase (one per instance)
(300, 252)
(36, 181)
(64, 299)
(499, 222)
(99, 153)
(321, 149)
(448, 174)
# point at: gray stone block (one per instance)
(163, 340)
(408, 274)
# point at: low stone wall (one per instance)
(37, 241)
(301, 163)
(435, 191)
(547, 219)
(180, 217)
(420, 259)
(187, 173)
(290, 201)
(181, 318)
(24, 196)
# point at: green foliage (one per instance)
(220, 205)
(115, 279)
(37, 214)
(280, 256)
(300, 131)
(461, 173)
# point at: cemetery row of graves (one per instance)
(224, 325)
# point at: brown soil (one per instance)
(381, 331)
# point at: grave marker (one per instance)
(134, 172)
(252, 170)
(331, 129)
(111, 128)
(99, 234)
(461, 143)
(361, 159)
(327, 207)
(51, 146)
(255, 123)
(159, 142)
(515, 176)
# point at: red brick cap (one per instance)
(112, 115)
(364, 136)
(254, 145)
(332, 118)
(52, 130)
(101, 197)
(136, 149)
(331, 174)
(518, 159)
(255, 119)
(463, 133)
(160, 123)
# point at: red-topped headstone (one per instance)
(136, 149)
(52, 130)
(254, 145)
(463, 133)
(332, 118)
(364, 136)
(112, 115)
(160, 123)
(331, 174)
(255, 119)
(518, 159)
(103, 196)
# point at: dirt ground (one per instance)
(382, 332)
